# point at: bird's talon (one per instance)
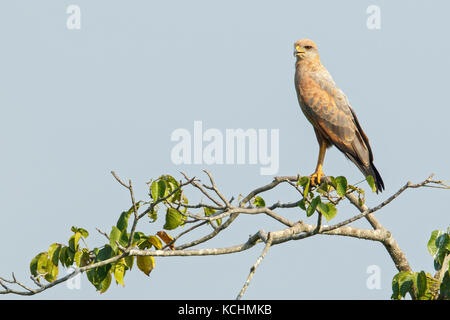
(316, 177)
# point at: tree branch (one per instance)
(225, 210)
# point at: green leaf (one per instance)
(84, 261)
(114, 236)
(208, 211)
(73, 241)
(259, 202)
(406, 283)
(66, 256)
(312, 207)
(145, 264)
(171, 185)
(124, 237)
(171, 182)
(402, 284)
(324, 187)
(122, 223)
(158, 189)
(53, 253)
(421, 280)
(83, 232)
(371, 183)
(42, 263)
(438, 246)
(34, 263)
(154, 190)
(173, 219)
(328, 210)
(63, 256)
(341, 185)
(52, 271)
(129, 260)
(306, 188)
(302, 204)
(104, 285)
(442, 243)
(119, 272)
(302, 181)
(333, 180)
(70, 257)
(445, 285)
(93, 277)
(77, 258)
(97, 275)
(395, 288)
(431, 246)
(138, 236)
(143, 243)
(105, 253)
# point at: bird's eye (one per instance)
(308, 47)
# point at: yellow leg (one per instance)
(318, 174)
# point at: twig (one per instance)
(213, 184)
(118, 180)
(103, 233)
(253, 268)
(184, 232)
(202, 190)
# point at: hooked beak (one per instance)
(298, 51)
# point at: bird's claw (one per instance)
(316, 177)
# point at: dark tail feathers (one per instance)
(371, 170)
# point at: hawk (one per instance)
(327, 108)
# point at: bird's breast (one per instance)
(301, 86)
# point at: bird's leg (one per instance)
(318, 174)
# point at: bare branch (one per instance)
(213, 184)
(202, 190)
(136, 214)
(118, 180)
(102, 233)
(253, 268)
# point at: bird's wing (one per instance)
(328, 109)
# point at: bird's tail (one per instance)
(371, 170)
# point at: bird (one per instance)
(328, 109)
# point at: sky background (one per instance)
(76, 104)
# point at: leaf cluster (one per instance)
(421, 285)
(325, 197)
(165, 191)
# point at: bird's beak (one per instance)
(298, 51)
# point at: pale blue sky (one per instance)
(77, 104)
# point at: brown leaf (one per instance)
(166, 238)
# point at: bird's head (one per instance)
(306, 49)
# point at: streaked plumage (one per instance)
(329, 111)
